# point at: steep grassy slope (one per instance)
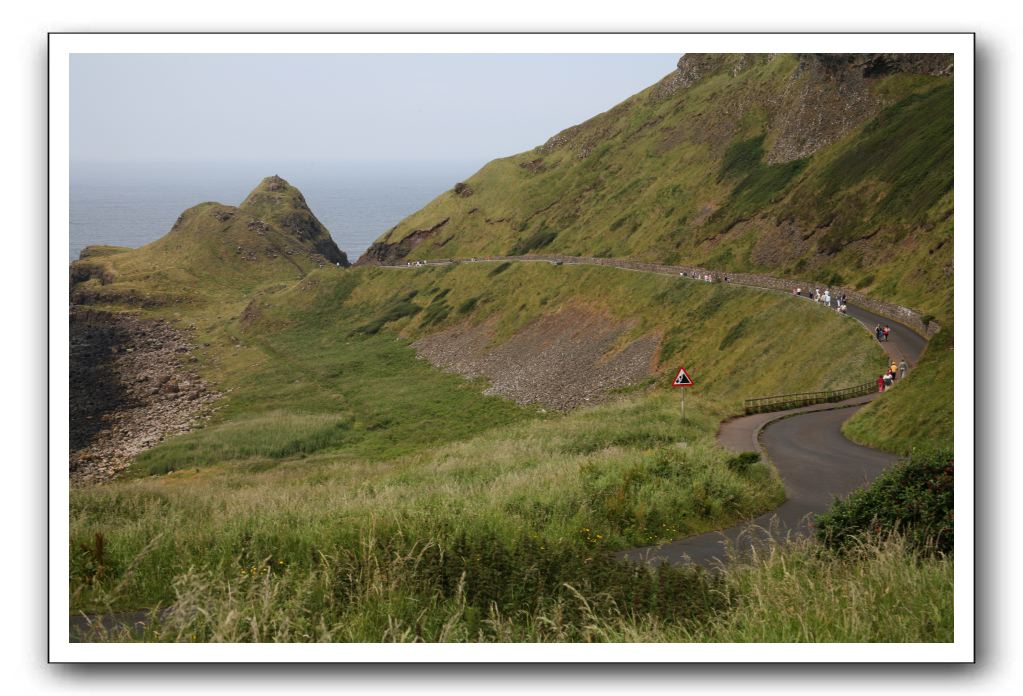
(213, 252)
(834, 168)
(919, 413)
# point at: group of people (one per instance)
(886, 380)
(882, 332)
(825, 298)
(706, 277)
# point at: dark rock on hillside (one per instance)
(463, 190)
(384, 254)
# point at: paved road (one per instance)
(816, 463)
(815, 460)
(902, 342)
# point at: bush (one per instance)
(914, 498)
(742, 463)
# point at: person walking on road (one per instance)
(887, 379)
(902, 368)
(880, 383)
(878, 331)
(887, 330)
(893, 369)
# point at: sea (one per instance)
(132, 204)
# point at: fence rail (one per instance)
(786, 401)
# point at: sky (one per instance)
(331, 107)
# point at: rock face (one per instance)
(562, 361)
(828, 95)
(130, 387)
(384, 254)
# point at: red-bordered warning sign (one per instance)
(682, 379)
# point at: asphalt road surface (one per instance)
(816, 462)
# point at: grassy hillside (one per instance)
(334, 441)
(832, 168)
(214, 252)
(919, 413)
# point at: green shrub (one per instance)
(743, 462)
(914, 498)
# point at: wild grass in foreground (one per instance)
(598, 479)
(406, 591)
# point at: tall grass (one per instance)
(595, 480)
(429, 591)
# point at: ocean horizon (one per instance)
(133, 204)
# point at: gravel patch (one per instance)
(562, 360)
(130, 387)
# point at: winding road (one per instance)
(815, 460)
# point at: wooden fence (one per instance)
(787, 401)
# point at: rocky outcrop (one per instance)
(830, 94)
(281, 204)
(825, 97)
(692, 67)
(385, 253)
(132, 384)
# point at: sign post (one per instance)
(682, 379)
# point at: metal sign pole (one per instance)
(683, 401)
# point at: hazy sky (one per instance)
(245, 107)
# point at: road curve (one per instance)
(817, 464)
(814, 459)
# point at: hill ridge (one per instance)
(835, 167)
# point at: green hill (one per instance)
(836, 168)
(213, 251)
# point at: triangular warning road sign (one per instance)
(682, 379)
